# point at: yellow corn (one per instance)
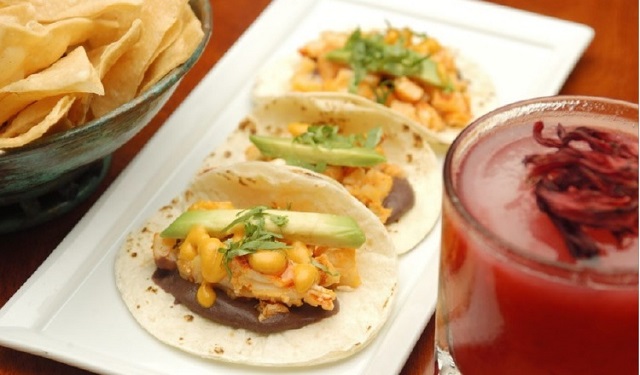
(298, 252)
(391, 36)
(198, 257)
(196, 234)
(210, 205)
(205, 295)
(305, 84)
(427, 47)
(297, 128)
(211, 260)
(270, 262)
(253, 153)
(187, 251)
(189, 247)
(237, 233)
(304, 276)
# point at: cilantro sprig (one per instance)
(328, 136)
(256, 236)
(371, 54)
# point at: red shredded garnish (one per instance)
(590, 181)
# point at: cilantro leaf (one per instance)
(256, 236)
(365, 54)
(328, 136)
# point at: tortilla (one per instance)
(363, 310)
(403, 146)
(275, 79)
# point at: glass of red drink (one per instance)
(538, 273)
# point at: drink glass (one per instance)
(510, 300)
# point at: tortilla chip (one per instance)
(35, 47)
(20, 13)
(103, 58)
(122, 80)
(169, 37)
(47, 11)
(178, 52)
(71, 74)
(36, 119)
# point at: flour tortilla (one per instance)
(274, 80)
(403, 146)
(363, 310)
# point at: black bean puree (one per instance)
(400, 199)
(237, 312)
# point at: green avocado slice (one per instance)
(309, 227)
(285, 148)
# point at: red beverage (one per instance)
(513, 300)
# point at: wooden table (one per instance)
(609, 68)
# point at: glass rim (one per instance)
(508, 248)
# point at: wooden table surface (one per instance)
(609, 67)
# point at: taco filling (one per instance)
(356, 161)
(408, 72)
(340, 272)
(259, 269)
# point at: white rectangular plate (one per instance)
(70, 310)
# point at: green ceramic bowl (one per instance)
(48, 177)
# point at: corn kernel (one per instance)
(210, 205)
(187, 251)
(304, 276)
(205, 295)
(270, 262)
(211, 260)
(297, 128)
(189, 248)
(196, 234)
(298, 252)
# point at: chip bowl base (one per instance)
(52, 199)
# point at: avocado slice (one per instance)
(309, 227)
(285, 148)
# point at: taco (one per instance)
(436, 88)
(219, 247)
(384, 163)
